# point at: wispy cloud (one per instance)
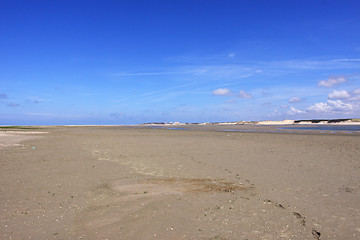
(151, 73)
(224, 59)
(355, 95)
(346, 60)
(305, 64)
(295, 100)
(35, 100)
(121, 100)
(294, 111)
(166, 95)
(231, 101)
(244, 94)
(332, 80)
(199, 72)
(3, 96)
(227, 72)
(13, 105)
(41, 114)
(167, 90)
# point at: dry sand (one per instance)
(141, 183)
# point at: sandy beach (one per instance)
(135, 182)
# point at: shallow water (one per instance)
(323, 129)
(171, 128)
(326, 128)
(249, 130)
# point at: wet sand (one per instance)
(143, 183)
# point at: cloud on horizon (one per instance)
(343, 94)
(331, 106)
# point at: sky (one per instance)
(108, 62)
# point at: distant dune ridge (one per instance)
(313, 121)
(350, 121)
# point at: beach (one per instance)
(197, 182)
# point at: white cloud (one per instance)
(295, 100)
(294, 111)
(343, 94)
(357, 91)
(244, 94)
(331, 106)
(222, 92)
(231, 55)
(332, 80)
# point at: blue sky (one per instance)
(128, 62)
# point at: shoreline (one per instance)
(318, 128)
(349, 121)
(315, 122)
(280, 129)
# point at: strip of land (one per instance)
(136, 182)
(345, 121)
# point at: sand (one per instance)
(142, 183)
